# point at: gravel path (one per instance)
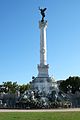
(42, 110)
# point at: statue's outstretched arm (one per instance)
(44, 9)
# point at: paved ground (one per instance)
(42, 110)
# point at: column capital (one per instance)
(43, 24)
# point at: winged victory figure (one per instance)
(42, 13)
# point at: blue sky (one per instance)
(20, 37)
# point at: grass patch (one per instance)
(40, 116)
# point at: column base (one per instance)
(43, 70)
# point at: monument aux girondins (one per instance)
(43, 82)
(44, 91)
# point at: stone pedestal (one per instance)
(44, 85)
(43, 70)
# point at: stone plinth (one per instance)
(44, 85)
(43, 70)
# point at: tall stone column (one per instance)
(43, 50)
(43, 67)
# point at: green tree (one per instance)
(72, 84)
(11, 87)
(23, 88)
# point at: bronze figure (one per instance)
(42, 13)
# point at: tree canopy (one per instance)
(12, 87)
(72, 84)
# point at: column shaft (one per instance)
(43, 50)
